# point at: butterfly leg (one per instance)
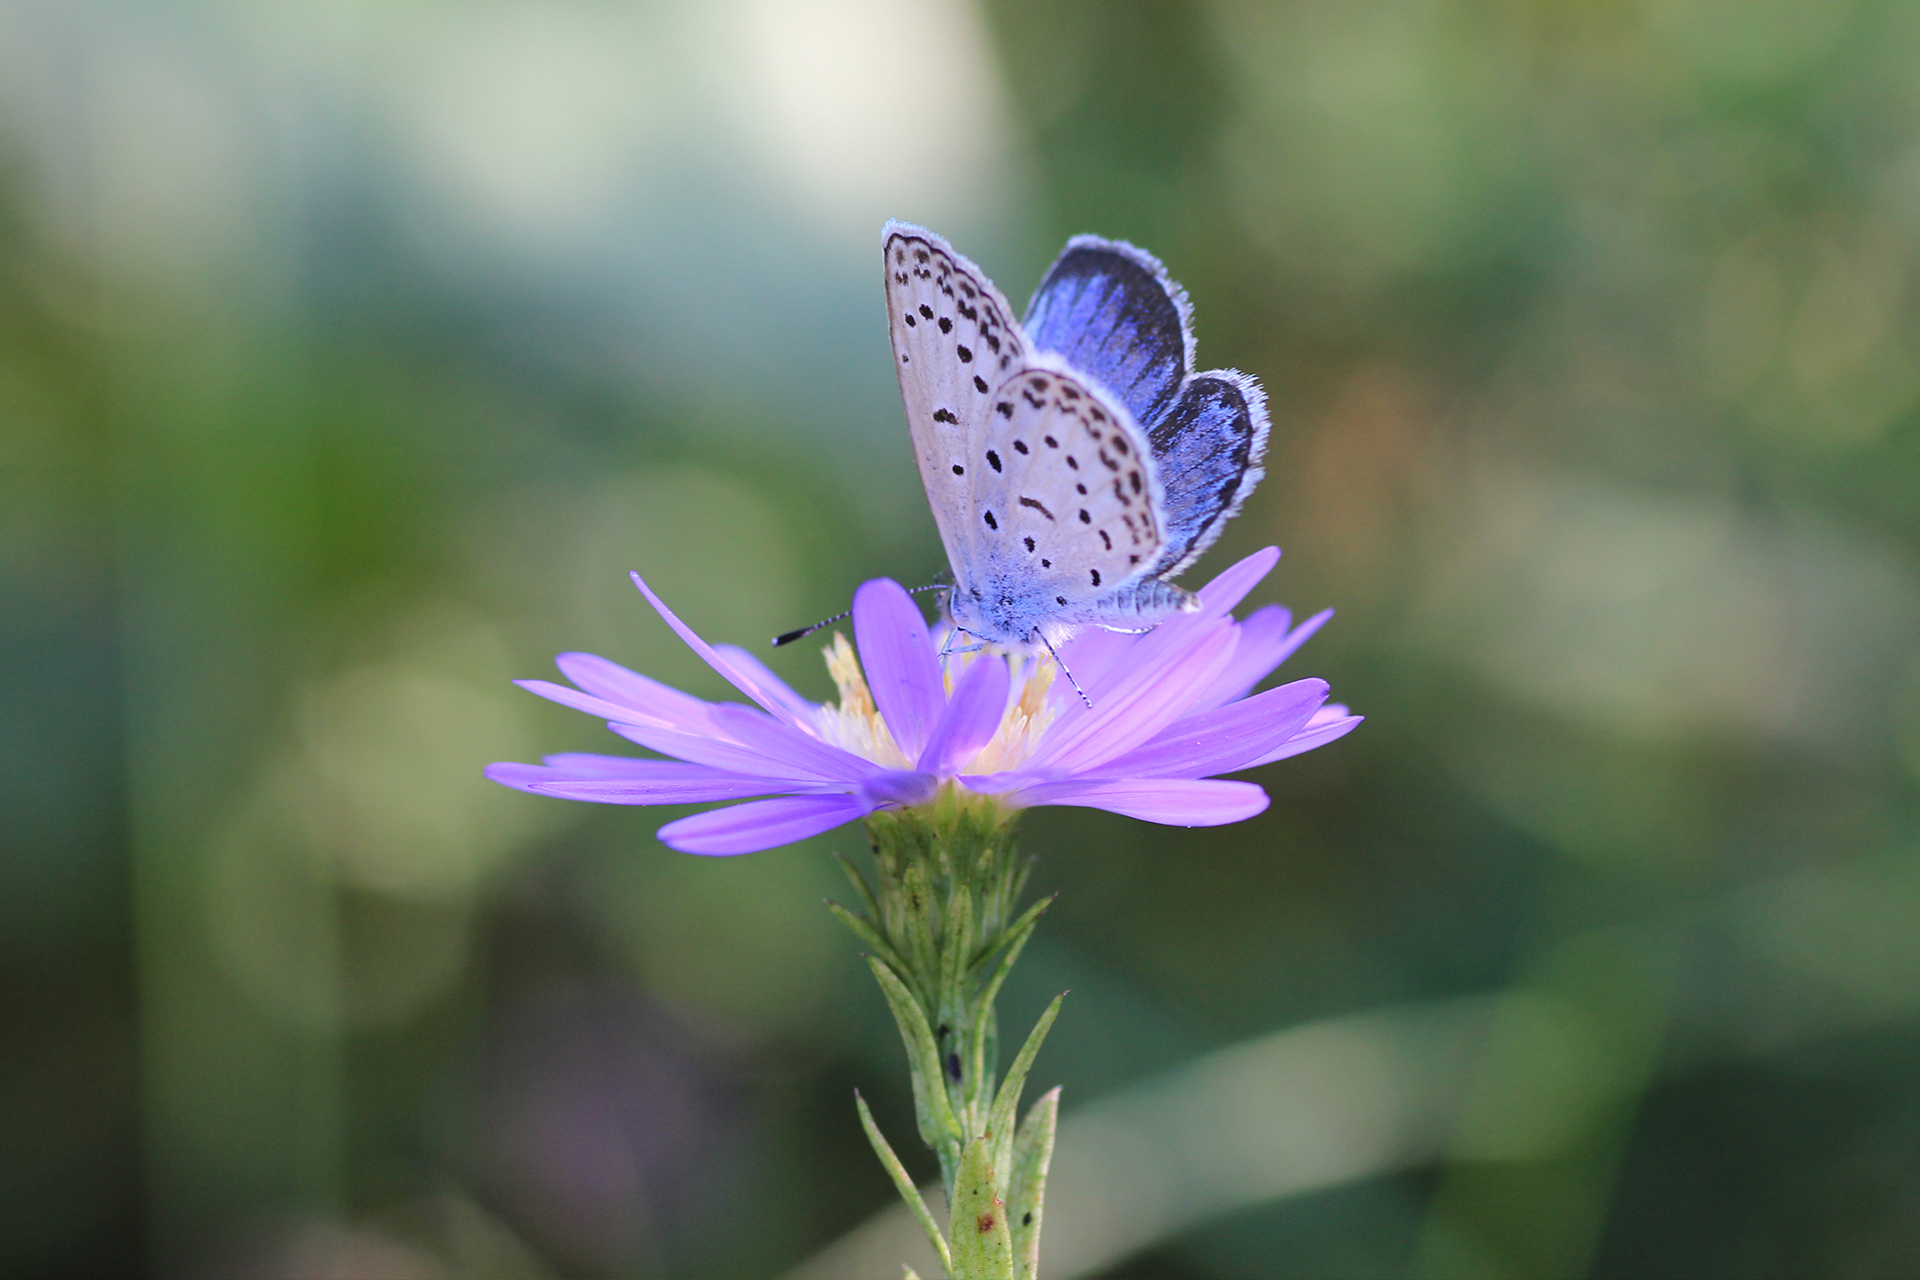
(1063, 668)
(947, 650)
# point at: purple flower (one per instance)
(1170, 708)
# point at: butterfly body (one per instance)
(1074, 463)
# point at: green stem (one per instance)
(941, 931)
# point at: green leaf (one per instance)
(864, 930)
(952, 996)
(982, 1014)
(1014, 937)
(1027, 1183)
(921, 954)
(860, 885)
(938, 1126)
(904, 1184)
(982, 1243)
(1000, 1122)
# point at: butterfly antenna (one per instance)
(1063, 668)
(788, 637)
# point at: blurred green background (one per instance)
(351, 353)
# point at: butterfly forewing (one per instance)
(1068, 500)
(954, 340)
(1111, 311)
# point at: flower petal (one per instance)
(979, 701)
(802, 752)
(1314, 735)
(897, 655)
(760, 824)
(1102, 660)
(898, 787)
(799, 710)
(586, 702)
(1265, 643)
(742, 678)
(1230, 586)
(668, 782)
(1205, 802)
(614, 683)
(1131, 709)
(1224, 738)
(722, 751)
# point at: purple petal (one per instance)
(898, 787)
(1314, 735)
(1206, 802)
(595, 764)
(710, 748)
(668, 782)
(999, 784)
(743, 679)
(588, 703)
(760, 824)
(979, 702)
(1260, 633)
(614, 683)
(799, 711)
(1264, 645)
(1103, 660)
(897, 655)
(1143, 700)
(1225, 738)
(801, 752)
(1230, 586)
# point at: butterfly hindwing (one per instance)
(1208, 449)
(1111, 311)
(954, 340)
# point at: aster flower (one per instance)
(1164, 712)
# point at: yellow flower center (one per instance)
(857, 726)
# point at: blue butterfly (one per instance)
(1074, 460)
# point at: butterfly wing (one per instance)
(1067, 515)
(954, 340)
(1208, 449)
(1111, 311)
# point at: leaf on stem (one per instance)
(982, 1242)
(1000, 1121)
(1015, 934)
(1027, 1183)
(904, 1184)
(923, 956)
(938, 1125)
(952, 995)
(863, 929)
(860, 885)
(983, 1003)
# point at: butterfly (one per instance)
(1074, 461)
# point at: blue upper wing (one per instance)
(1207, 449)
(1111, 311)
